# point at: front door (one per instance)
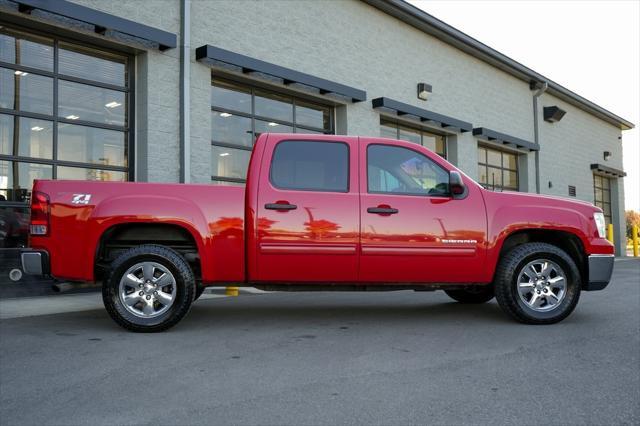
(413, 230)
(307, 213)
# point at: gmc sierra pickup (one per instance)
(319, 212)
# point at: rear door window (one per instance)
(311, 166)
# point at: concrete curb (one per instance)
(49, 305)
(64, 303)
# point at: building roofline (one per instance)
(421, 20)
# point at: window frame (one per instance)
(608, 217)
(273, 156)
(447, 195)
(502, 168)
(399, 125)
(128, 128)
(251, 90)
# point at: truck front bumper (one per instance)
(35, 262)
(600, 270)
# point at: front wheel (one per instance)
(148, 288)
(537, 283)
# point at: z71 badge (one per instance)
(81, 199)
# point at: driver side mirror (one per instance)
(457, 187)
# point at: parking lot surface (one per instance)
(331, 358)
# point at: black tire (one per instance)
(472, 295)
(506, 285)
(184, 291)
(199, 291)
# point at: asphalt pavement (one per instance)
(331, 358)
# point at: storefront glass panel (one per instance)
(240, 113)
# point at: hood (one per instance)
(551, 198)
(539, 200)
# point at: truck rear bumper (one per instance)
(600, 270)
(35, 262)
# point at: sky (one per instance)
(590, 47)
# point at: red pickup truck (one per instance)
(320, 212)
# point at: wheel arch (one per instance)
(121, 236)
(567, 241)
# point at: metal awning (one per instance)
(608, 171)
(101, 21)
(211, 54)
(493, 136)
(424, 115)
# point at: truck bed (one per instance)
(83, 211)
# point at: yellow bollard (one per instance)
(610, 233)
(231, 291)
(634, 239)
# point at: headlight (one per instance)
(600, 224)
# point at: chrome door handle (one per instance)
(280, 206)
(382, 210)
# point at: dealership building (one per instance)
(178, 90)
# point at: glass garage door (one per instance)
(64, 114)
(240, 113)
(435, 142)
(497, 169)
(602, 195)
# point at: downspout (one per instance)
(536, 136)
(185, 75)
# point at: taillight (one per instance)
(40, 212)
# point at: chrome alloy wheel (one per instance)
(542, 285)
(147, 289)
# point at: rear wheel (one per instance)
(148, 288)
(537, 283)
(472, 295)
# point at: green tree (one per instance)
(632, 218)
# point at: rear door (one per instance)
(308, 210)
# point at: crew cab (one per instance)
(319, 212)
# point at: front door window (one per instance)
(402, 171)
